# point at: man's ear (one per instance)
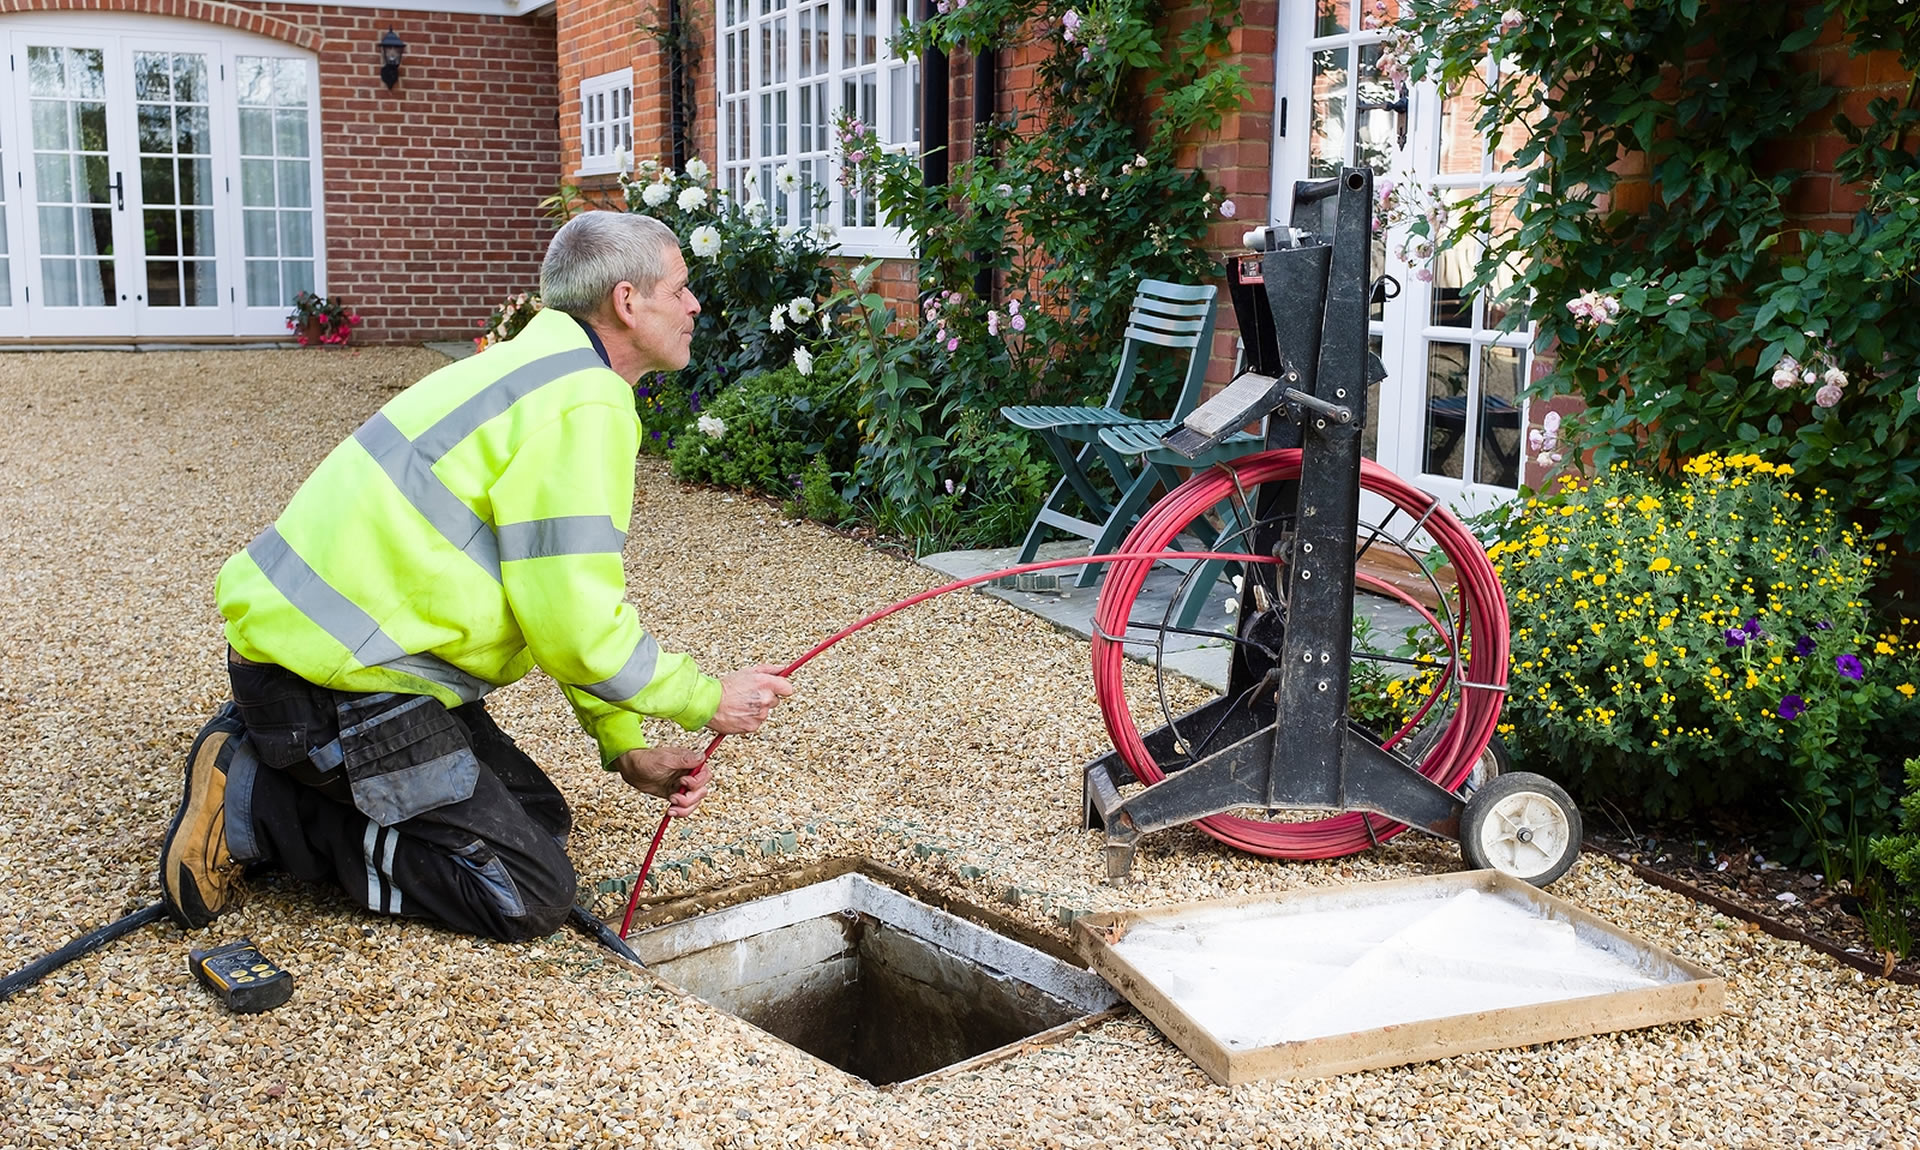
(619, 309)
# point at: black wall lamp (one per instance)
(391, 49)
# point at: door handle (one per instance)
(119, 192)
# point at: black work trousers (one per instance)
(411, 808)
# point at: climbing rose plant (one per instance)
(1710, 319)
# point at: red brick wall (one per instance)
(1820, 201)
(432, 189)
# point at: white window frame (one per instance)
(606, 121)
(778, 100)
(120, 35)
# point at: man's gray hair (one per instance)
(594, 251)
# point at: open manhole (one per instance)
(872, 980)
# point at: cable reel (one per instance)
(1279, 766)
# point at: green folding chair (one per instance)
(1179, 317)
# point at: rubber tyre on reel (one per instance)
(1522, 825)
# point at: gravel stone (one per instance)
(945, 741)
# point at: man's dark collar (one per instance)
(599, 348)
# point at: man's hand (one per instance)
(747, 698)
(678, 774)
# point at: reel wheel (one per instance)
(1522, 825)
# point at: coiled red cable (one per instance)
(1448, 762)
(1481, 681)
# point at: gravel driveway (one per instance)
(945, 742)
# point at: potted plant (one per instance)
(317, 319)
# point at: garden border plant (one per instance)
(1709, 319)
(1690, 312)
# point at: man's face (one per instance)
(661, 322)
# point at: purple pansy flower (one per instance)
(1849, 667)
(1803, 647)
(1752, 627)
(1823, 625)
(1792, 707)
(1736, 637)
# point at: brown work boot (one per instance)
(199, 879)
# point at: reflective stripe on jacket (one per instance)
(471, 529)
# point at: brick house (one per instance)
(748, 85)
(178, 169)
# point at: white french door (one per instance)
(1450, 415)
(159, 180)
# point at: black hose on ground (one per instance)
(84, 945)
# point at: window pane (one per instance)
(196, 233)
(1498, 451)
(290, 131)
(162, 236)
(296, 234)
(1461, 151)
(1330, 139)
(96, 187)
(290, 83)
(256, 132)
(163, 283)
(51, 125)
(262, 234)
(190, 131)
(263, 283)
(295, 185)
(256, 183)
(56, 230)
(1446, 409)
(1330, 17)
(156, 128)
(198, 287)
(196, 181)
(190, 78)
(90, 126)
(54, 178)
(296, 276)
(152, 76)
(59, 283)
(156, 180)
(253, 84)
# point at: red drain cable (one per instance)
(1448, 763)
(1143, 560)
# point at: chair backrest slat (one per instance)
(1169, 315)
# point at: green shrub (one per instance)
(1031, 251)
(762, 433)
(1900, 854)
(1701, 642)
(758, 281)
(1734, 319)
(987, 486)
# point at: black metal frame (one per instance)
(1304, 320)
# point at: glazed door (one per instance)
(154, 184)
(1449, 415)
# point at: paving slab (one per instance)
(1071, 607)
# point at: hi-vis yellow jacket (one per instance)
(471, 529)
